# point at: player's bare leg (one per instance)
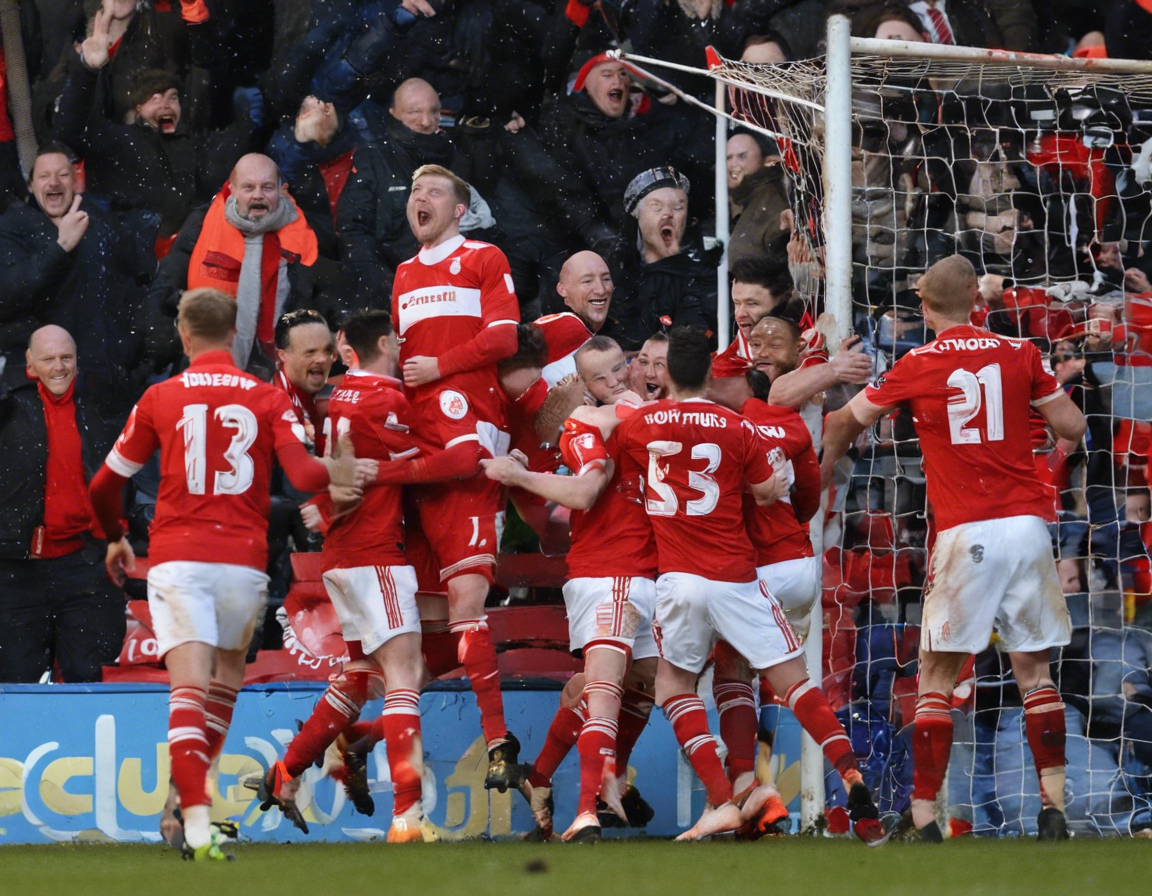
(815, 716)
(676, 695)
(604, 668)
(562, 735)
(477, 653)
(1045, 727)
(403, 667)
(932, 737)
(190, 670)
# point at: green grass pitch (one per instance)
(792, 867)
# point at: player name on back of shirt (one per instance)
(191, 378)
(688, 418)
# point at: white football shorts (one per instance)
(213, 603)
(611, 611)
(374, 603)
(692, 613)
(796, 586)
(994, 574)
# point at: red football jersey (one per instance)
(377, 415)
(564, 333)
(444, 298)
(970, 392)
(776, 533)
(697, 456)
(217, 429)
(613, 537)
(736, 360)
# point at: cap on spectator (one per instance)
(586, 68)
(653, 179)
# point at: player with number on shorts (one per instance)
(217, 429)
(455, 311)
(970, 392)
(698, 457)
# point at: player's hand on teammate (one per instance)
(851, 364)
(311, 517)
(770, 490)
(119, 560)
(420, 370)
(505, 470)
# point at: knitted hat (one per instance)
(652, 179)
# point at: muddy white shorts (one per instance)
(796, 586)
(374, 603)
(213, 603)
(994, 574)
(611, 611)
(693, 612)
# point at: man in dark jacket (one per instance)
(56, 604)
(64, 262)
(371, 217)
(672, 282)
(156, 163)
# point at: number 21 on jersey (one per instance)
(241, 470)
(983, 388)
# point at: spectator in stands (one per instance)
(766, 49)
(155, 163)
(56, 604)
(671, 281)
(371, 217)
(228, 246)
(757, 196)
(64, 261)
(314, 154)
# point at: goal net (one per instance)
(1038, 170)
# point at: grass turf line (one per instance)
(635, 868)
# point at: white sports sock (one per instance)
(196, 831)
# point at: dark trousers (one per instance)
(62, 611)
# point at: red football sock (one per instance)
(218, 710)
(635, 708)
(931, 744)
(357, 731)
(738, 723)
(815, 716)
(188, 745)
(336, 709)
(561, 737)
(597, 745)
(690, 722)
(478, 656)
(1044, 724)
(401, 723)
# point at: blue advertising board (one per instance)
(91, 763)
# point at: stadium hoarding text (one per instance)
(91, 763)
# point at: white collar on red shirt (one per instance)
(437, 254)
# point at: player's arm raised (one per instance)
(842, 428)
(849, 365)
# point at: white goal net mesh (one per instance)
(1040, 177)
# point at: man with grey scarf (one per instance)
(253, 243)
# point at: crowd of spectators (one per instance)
(266, 147)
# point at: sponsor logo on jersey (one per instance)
(453, 404)
(191, 378)
(455, 266)
(437, 301)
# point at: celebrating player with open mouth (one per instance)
(970, 392)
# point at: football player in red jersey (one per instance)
(785, 563)
(371, 586)
(970, 393)
(609, 592)
(217, 429)
(455, 312)
(699, 456)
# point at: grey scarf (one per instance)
(249, 288)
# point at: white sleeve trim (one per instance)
(1048, 398)
(118, 463)
(468, 438)
(403, 455)
(598, 464)
(501, 323)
